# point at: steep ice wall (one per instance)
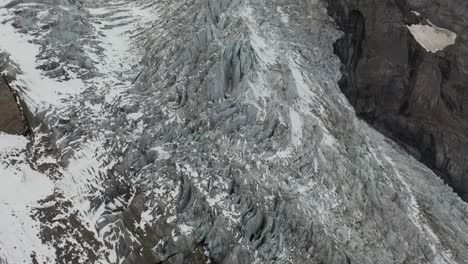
(214, 131)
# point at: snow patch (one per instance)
(11, 143)
(431, 37)
(41, 92)
(185, 229)
(416, 13)
(134, 116)
(283, 17)
(146, 218)
(263, 50)
(162, 153)
(296, 127)
(20, 189)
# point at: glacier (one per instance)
(208, 131)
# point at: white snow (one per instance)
(431, 37)
(416, 13)
(218, 198)
(134, 116)
(119, 58)
(283, 17)
(41, 92)
(185, 229)
(265, 51)
(171, 219)
(22, 185)
(20, 189)
(11, 143)
(146, 218)
(414, 212)
(296, 127)
(162, 153)
(83, 173)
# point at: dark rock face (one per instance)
(14, 114)
(11, 121)
(418, 98)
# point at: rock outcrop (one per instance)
(416, 95)
(14, 114)
(11, 121)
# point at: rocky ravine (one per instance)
(415, 95)
(207, 132)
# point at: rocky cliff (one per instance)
(416, 95)
(13, 120)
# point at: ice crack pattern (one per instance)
(209, 131)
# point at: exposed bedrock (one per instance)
(10, 121)
(417, 97)
(13, 112)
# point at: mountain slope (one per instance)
(214, 131)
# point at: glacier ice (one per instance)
(215, 131)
